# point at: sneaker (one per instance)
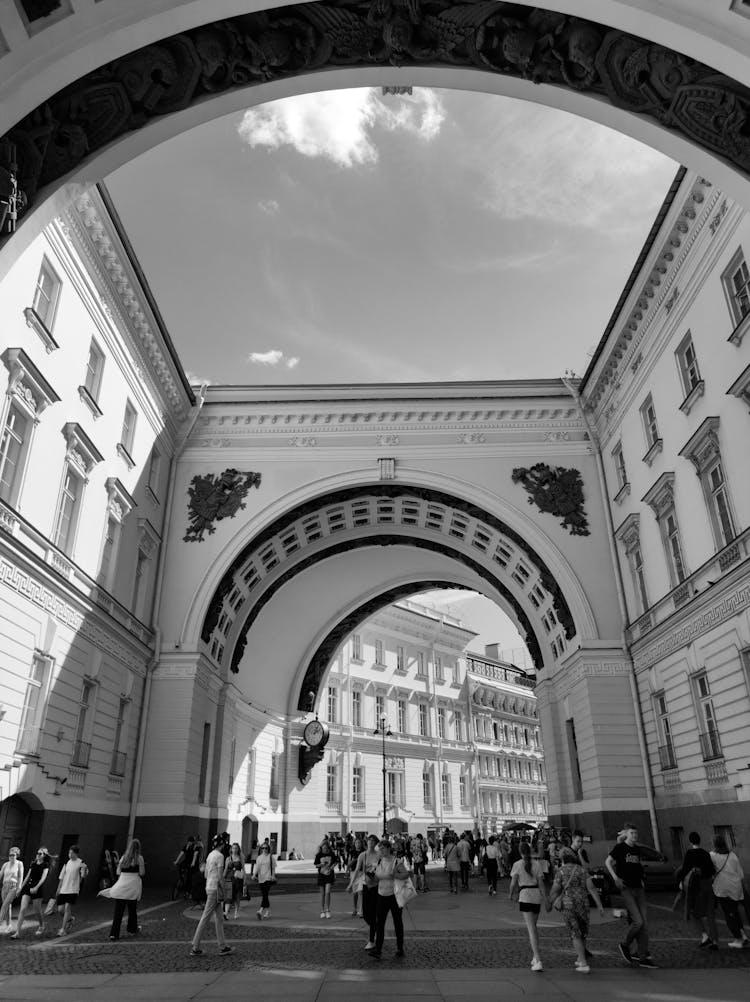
(40, 931)
(226, 950)
(195, 952)
(582, 968)
(328, 914)
(265, 913)
(369, 945)
(735, 944)
(536, 965)
(704, 943)
(113, 938)
(259, 913)
(625, 953)
(322, 914)
(648, 963)
(13, 935)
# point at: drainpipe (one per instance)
(623, 611)
(158, 590)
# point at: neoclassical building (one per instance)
(184, 571)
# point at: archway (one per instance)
(80, 128)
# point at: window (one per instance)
(154, 471)
(127, 436)
(402, 719)
(463, 790)
(140, 584)
(703, 451)
(358, 785)
(400, 659)
(708, 731)
(357, 708)
(721, 515)
(202, 775)
(423, 720)
(379, 652)
(379, 709)
(250, 775)
(441, 722)
(427, 786)
(34, 705)
(688, 365)
(666, 748)
(649, 422)
(439, 672)
(273, 784)
(68, 510)
(620, 470)
(674, 547)
(575, 765)
(456, 673)
(331, 784)
(421, 672)
(445, 790)
(117, 766)
(332, 705)
(356, 647)
(46, 294)
(94, 371)
(232, 764)
(737, 287)
(13, 450)
(109, 547)
(639, 580)
(458, 725)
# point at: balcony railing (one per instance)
(333, 806)
(81, 753)
(118, 764)
(29, 740)
(710, 745)
(358, 807)
(666, 757)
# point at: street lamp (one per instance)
(385, 732)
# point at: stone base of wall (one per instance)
(93, 832)
(704, 819)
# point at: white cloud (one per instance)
(293, 362)
(269, 206)
(195, 380)
(273, 357)
(340, 124)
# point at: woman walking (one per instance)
(573, 886)
(352, 859)
(234, 871)
(696, 879)
(388, 870)
(324, 863)
(72, 875)
(265, 874)
(127, 889)
(728, 888)
(32, 892)
(11, 878)
(527, 886)
(491, 858)
(365, 869)
(452, 863)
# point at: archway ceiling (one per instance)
(708, 108)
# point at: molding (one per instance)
(27, 382)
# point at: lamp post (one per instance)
(385, 732)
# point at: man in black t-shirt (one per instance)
(625, 867)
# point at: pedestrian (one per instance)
(576, 844)
(72, 875)
(465, 851)
(325, 859)
(32, 892)
(197, 873)
(213, 907)
(127, 890)
(354, 850)
(451, 863)
(387, 871)
(491, 856)
(234, 872)
(253, 858)
(572, 886)
(419, 862)
(11, 879)
(625, 868)
(365, 869)
(729, 889)
(696, 883)
(265, 874)
(527, 887)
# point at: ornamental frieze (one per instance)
(705, 106)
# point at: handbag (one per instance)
(357, 883)
(404, 891)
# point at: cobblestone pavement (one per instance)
(444, 932)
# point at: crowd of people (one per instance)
(546, 869)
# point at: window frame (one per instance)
(68, 544)
(703, 450)
(740, 318)
(356, 707)
(94, 376)
(30, 732)
(8, 434)
(48, 317)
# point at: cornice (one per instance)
(87, 227)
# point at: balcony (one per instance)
(358, 807)
(118, 764)
(333, 807)
(666, 757)
(710, 745)
(81, 753)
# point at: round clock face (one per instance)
(314, 733)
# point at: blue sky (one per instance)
(351, 237)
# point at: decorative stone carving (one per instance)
(709, 108)
(557, 491)
(214, 498)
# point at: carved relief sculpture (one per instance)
(213, 498)
(557, 491)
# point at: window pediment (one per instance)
(702, 448)
(81, 450)
(740, 388)
(660, 497)
(119, 502)
(27, 383)
(629, 531)
(148, 538)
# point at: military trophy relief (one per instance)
(212, 497)
(556, 491)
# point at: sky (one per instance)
(350, 237)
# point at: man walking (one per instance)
(625, 868)
(464, 852)
(214, 900)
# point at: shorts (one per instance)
(36, 895)
(529, 906)
(67, 899)
(324, 879)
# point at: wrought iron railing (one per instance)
(81, 754)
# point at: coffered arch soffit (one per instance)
(689, 109)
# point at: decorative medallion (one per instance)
(557, 491)
(213, 498)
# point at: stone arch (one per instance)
(694, 111)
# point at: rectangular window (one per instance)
(666, 747)
(674, 547)
(117, 767)
(639, 578)
(68, 509)
(445, 790)
(427, 787)
(154, 471)
(575, 765)
(688, 365)
(332, 707)
(127, 435)
(458, 725)
(13, 448)
(463, 790)
(720, 512)
(439, 672)
(358, 785)
(232, 764)
(379, 709)
(46, 294)
(651, 428)
(456, 673)
(379, 652)
(356, 647)
(357, 708)
(421, 673)
(441, 722)
(273, 785)
(708, 730)
(423, 720)
(402, 717)
(94, 371)
(400, 659)
(737, 284)
(250, 775)
(32, 715)
(140, 584)
(622, 473)
(203, 774)
(109, 547)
